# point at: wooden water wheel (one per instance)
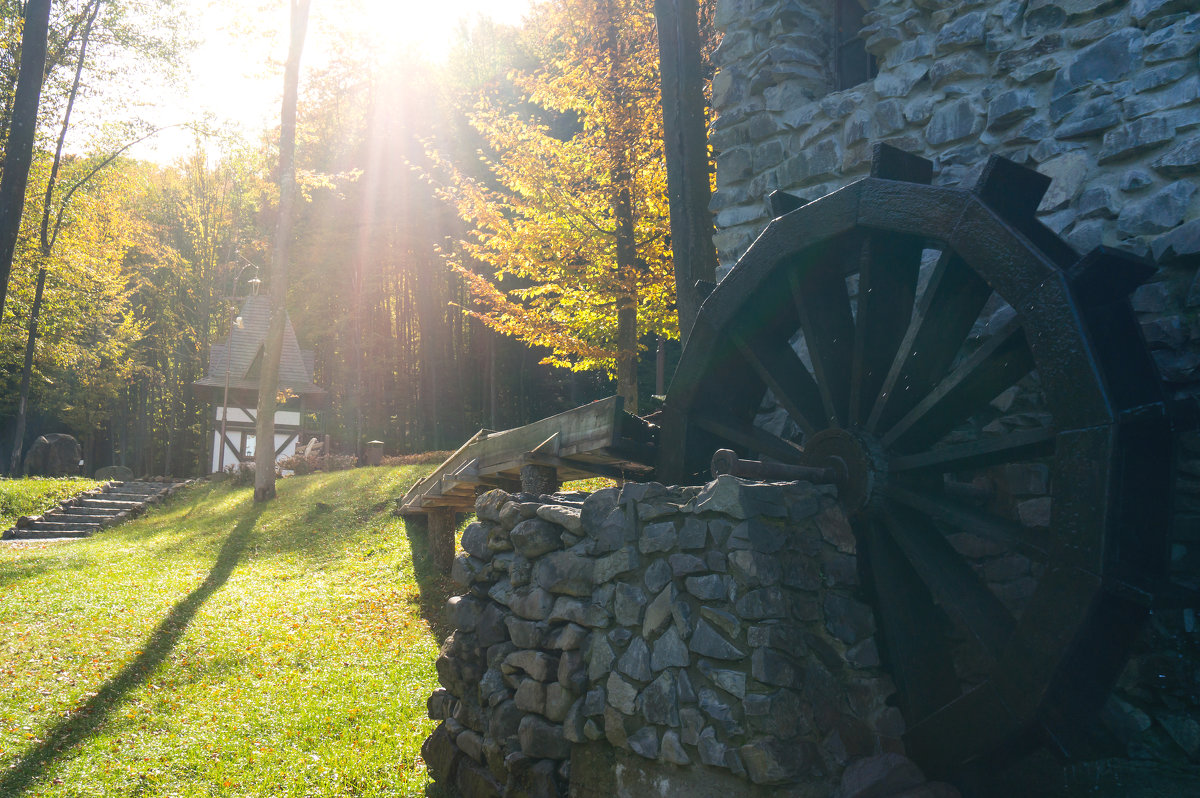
(934, 345)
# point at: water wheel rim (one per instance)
(1101, 563)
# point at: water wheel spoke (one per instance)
(778, 365)
(968, 519)
(954, 585)
(952, 734)
(913, 647)
(887, 286)
(996, 365)
(947, 310)
(1013, 447)
(823, 304)
(749, 438)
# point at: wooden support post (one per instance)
(539, 479)
(441, 537)
(685, 142)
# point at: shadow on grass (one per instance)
(434, 587)
(33, 565)
(86, 720)
(319, 516)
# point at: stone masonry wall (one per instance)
(664, 640)
(1100, 95)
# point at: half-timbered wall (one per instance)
(241, 440)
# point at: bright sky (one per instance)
(236, 71)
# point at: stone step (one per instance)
(49, 523)
(108, 518)
(136, 496)
(97, 512)
(109, 503)
(143, 487)
(48, 534)
(129, 497)
(93, 510)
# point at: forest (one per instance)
(479, 241)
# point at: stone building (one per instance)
(1099, 95)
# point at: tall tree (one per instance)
(48, 234)
(18, 150)
(264, 468)
(574, 209)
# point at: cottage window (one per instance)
(852, 64)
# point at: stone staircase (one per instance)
(93, 510)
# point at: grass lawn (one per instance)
(215, 647)
(36, 495)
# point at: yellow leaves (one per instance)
(541, 259)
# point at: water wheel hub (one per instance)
(858, 460)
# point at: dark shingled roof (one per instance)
(295, 365)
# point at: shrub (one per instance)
(241, 474)
(417, 458)
(300, 465)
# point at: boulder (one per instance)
(113, 472)
(53, 455)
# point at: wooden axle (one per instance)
(726, 461)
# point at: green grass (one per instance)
(591, 485)
(33, 496)
(218, 648)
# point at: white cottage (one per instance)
(232, 385)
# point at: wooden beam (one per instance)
(562, 442)
(685, 143)
(597, 469)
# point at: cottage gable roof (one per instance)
(295, 365)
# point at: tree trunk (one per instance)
(493, 399)
(26, 372)
(264, 461)
(685, 141)
(660, 368)
(627, 381)
(46, 246)
(354, 391)
(627, 305)
(18, 152)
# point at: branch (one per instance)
(48, 243)
(92, 173)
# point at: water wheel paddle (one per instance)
(936, 345)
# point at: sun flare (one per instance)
(430, 25)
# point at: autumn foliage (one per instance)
(568, 244)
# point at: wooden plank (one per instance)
(751, 438)
(916, 654)
(1000, 362)
(592, 431)
(952, 582)
(593, 424)
(575, 469)
(1012, 447)
(452, 462)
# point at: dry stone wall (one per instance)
(700, 638)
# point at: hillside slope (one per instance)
(215, 647)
